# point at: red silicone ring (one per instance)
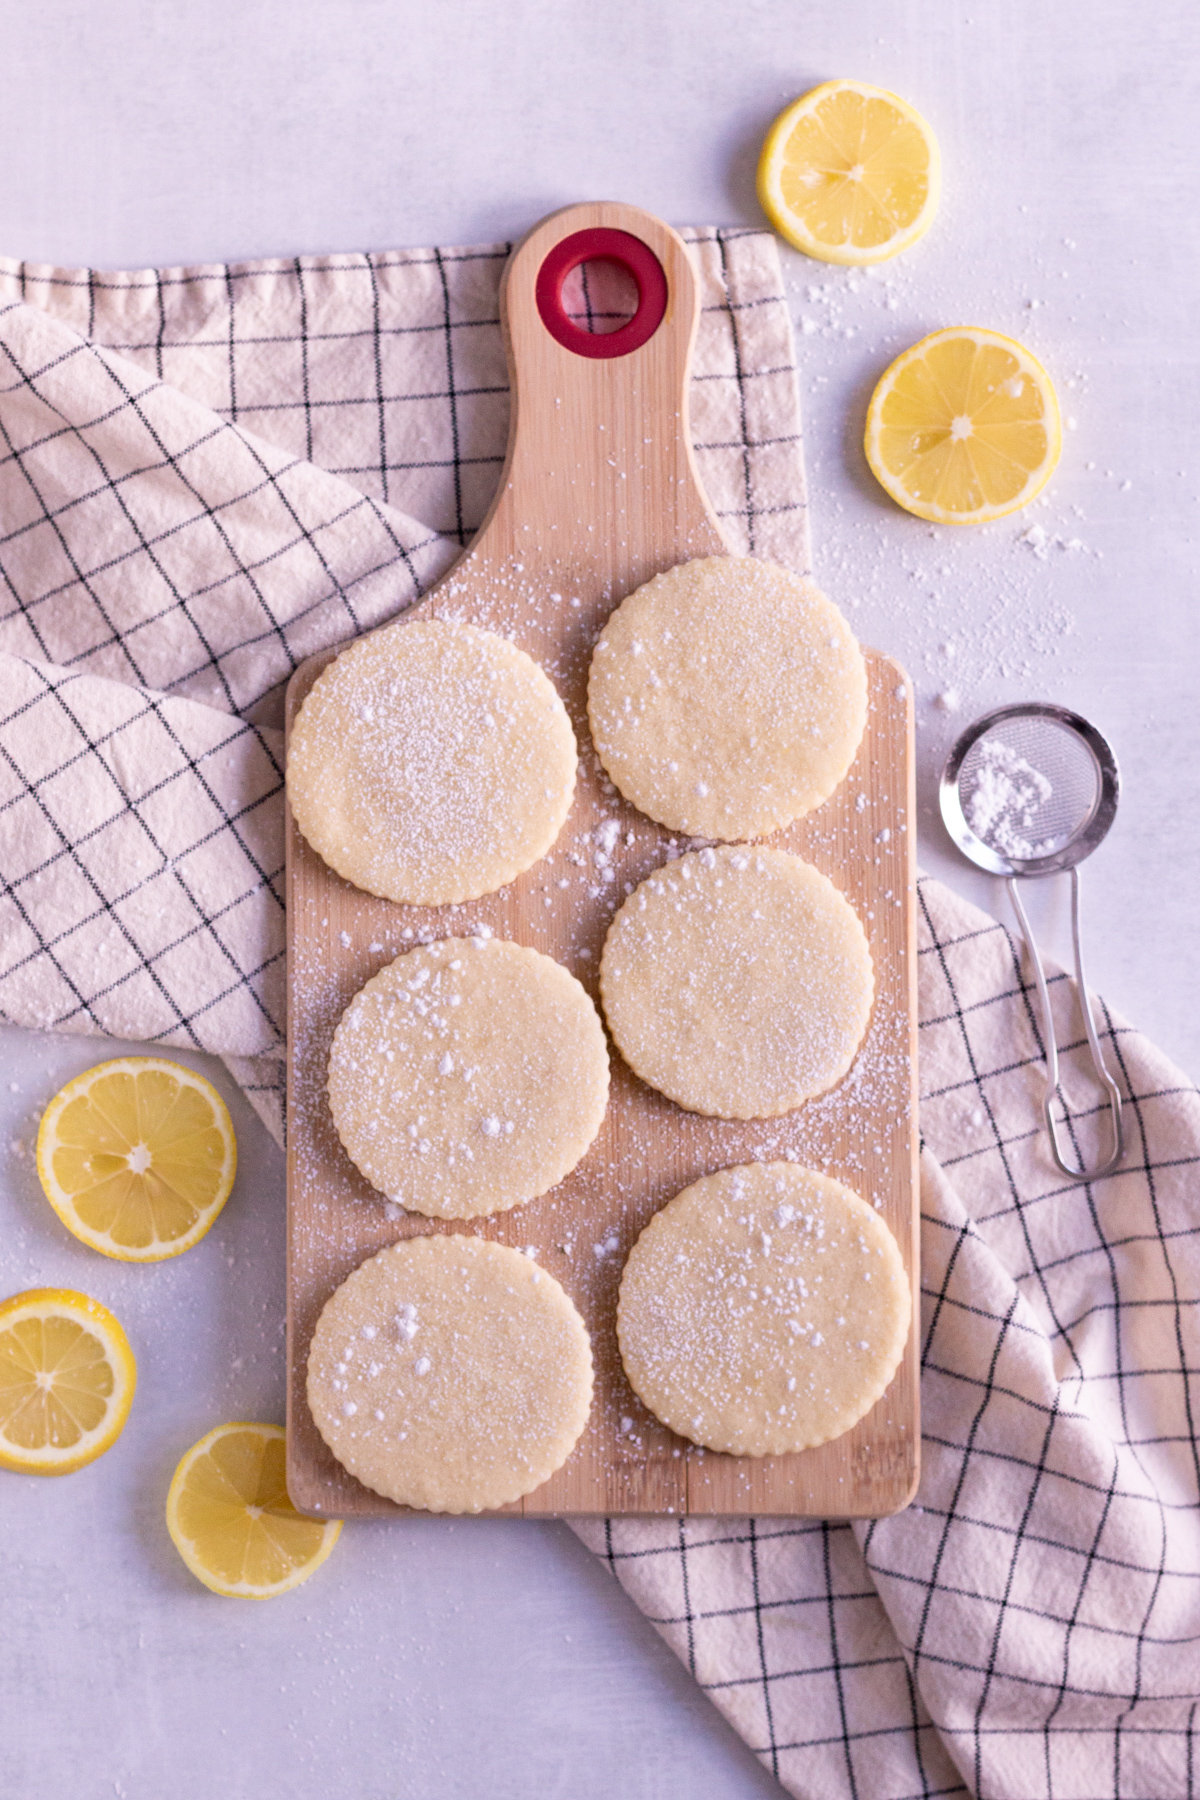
(610, 246)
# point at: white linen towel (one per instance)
(207, 474)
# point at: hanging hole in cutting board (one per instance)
(601, 293)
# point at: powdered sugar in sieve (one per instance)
(1030, 790)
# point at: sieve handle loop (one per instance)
(1053, 1089)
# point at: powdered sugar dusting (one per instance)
(737, 981)
(443, 1114)
(431, 763)
(750, 1305)
(859, 1130)
(1006, 796)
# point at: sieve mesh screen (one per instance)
(1029, 786)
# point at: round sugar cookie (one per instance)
(727, 697)
(763, 1310)
(468, 1076)
(737, 981)
(450, 1373)
(431, 763)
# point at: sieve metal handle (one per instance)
(1052, 1078)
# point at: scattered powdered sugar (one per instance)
(442, 1112)
(1041, 541)
(406, 1323)
(737, 983)
(431, 763)
(594, 860)
(744, 1337)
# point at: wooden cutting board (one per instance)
(600, 492)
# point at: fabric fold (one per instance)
(141, 840)
(149, 541)
(1029, 1625)
(207, 474)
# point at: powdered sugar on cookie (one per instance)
(764, 1310)
(727, 697)
(466, 1084)
(431, 763)
(737, 981)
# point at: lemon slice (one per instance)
(850, 173)
(67, 1377)
(137, 1157)
(964, 427)
(230, 1518)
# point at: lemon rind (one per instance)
(928, 510)
(96, 1316)
(158, 1251)
(771, 199)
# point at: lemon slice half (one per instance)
(850, 173)
(964, 427)
(230, 1518)
(137, 1157)
(67, 1377)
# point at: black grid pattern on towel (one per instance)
(205, 476)
(142, 847)
(149, 541)
(1031, 1626)
(387, 370)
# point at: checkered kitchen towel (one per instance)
(205, 475)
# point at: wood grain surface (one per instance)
(599, 492)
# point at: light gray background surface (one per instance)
(477, 1657)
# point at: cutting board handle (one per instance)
(601, 243)
(600, 463)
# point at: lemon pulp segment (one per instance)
(231, 1520)
(137, 1157)
(67, 1378)
(850, 173)
(964, 427)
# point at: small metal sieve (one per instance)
(1031, 790)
